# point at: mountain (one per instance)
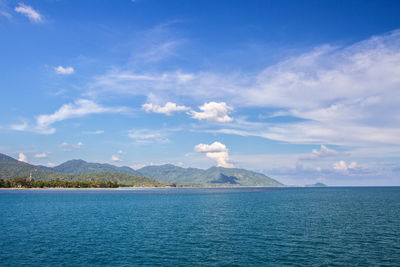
(80, 170)
(10, 168)
(212, 176)
(78, 166)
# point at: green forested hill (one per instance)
(78, 166)
(212, 176)
(10, 168)
(80, 170)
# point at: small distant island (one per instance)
(316, 185)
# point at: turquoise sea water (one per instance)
(212, 227)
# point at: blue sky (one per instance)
(303, 91)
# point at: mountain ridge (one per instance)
(167, 173)
(10, 168)
(79, 166)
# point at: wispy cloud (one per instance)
(41, 155)
(94, 132)
(79, 108)
(5, 14)
(345, 95)
(28, 11)
(19, 127)
(145, 136)
(65, 146)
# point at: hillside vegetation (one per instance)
(79, 170)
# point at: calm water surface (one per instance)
(213, 227)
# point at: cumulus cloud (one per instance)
(22, 157)
(41, 155)
(64, 71)
(167, 109)
(214, 147)
(28, 11)
(216, 151)
(115, 158)
(322, 153)
(79, 108)
(213, 111)
(342, 166)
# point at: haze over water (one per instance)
(195, 226)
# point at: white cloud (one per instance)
(79, 108)
(353, 165)
(214, 147)
(22, 157)
(79, 145)
(216, 151)
(115, 158)
(65, 146)
(28, 11)
(64, 71)
(342, 166)
(345, 95)
(167, 109)
(41, 155)
(50, 164)
(213, 111)
(322, 153)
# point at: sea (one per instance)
(332, 226)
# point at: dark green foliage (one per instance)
(24, 182)
(223, 179)
(120, 178)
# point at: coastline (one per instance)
(138, 187)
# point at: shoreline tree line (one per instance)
(25, 182)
